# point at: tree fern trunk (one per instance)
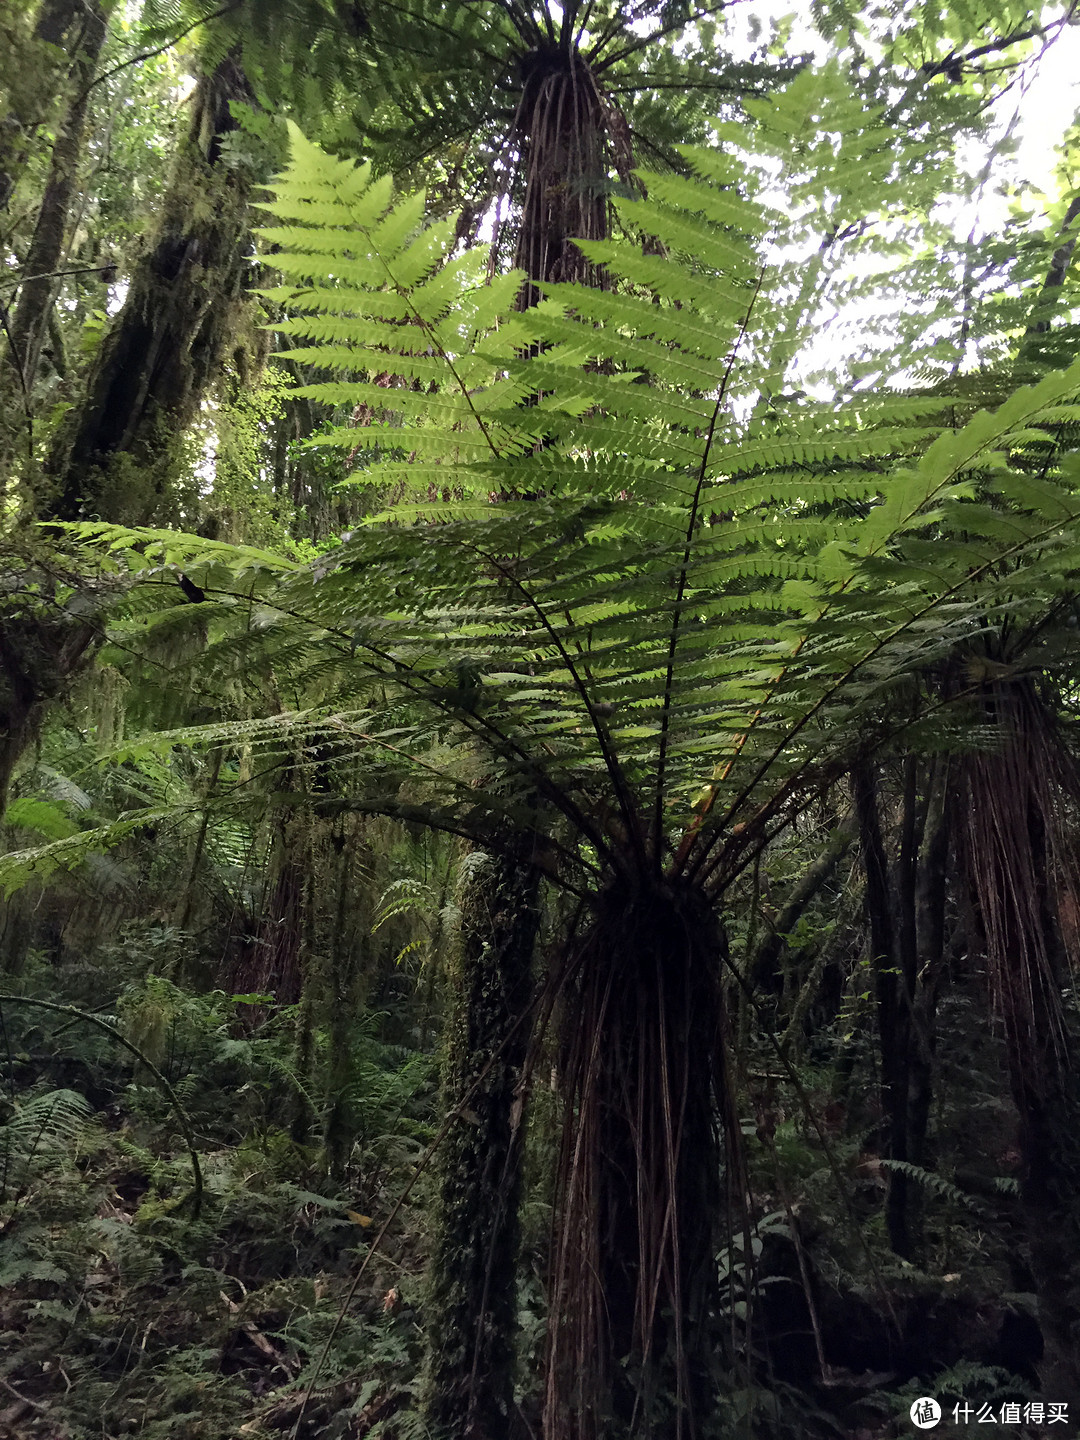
(471, 1300)
(634, 1324)
(1013, 795)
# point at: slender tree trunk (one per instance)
(1050, 295)
(34, 92)
(893, 1000)
(343, 991)
(30, 321)
(167, 344)
(27, 323)
(472, 1276)
(930, 898)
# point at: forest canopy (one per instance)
(539, 574)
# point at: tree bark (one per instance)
(894, 999)
(634, 1325)
(167, 344)
(37, 290)
(472, 1275)
(1050, 294)
(39, 653)
(36, 90)
(1011, 797)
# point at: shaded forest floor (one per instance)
(123, 1313)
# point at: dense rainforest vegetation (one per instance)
(539, 722)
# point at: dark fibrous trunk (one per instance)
(170, 339)
(930, 908)
(632, 1330)
(1014, 795)
(472, 1287)
(569, 135)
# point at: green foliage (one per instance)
(934, 1184)
(40, 1129)
(639, 572)
(214, 1324)
(712, 601)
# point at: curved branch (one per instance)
(170, 1094)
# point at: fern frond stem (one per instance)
(436, 344)
(447, 30)
(160, 49)
(478, 725)
(791, 788)
(74, 1013)
(469, 790)
(680, 587)
(570, 19)
(610, 28)
(484, 729)
(587, 14)
(524, 22)
(611, 759)
(680, 23)
(688, 839)
(875, 650)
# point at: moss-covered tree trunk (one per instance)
(32, 84)
(472, 1277)
(42, 645)
(29, 320)
(117, 459)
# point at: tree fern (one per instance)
(709, 590)
(714, 602)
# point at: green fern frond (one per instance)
(719, 591)
(932, 1182)
(42, 1130)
